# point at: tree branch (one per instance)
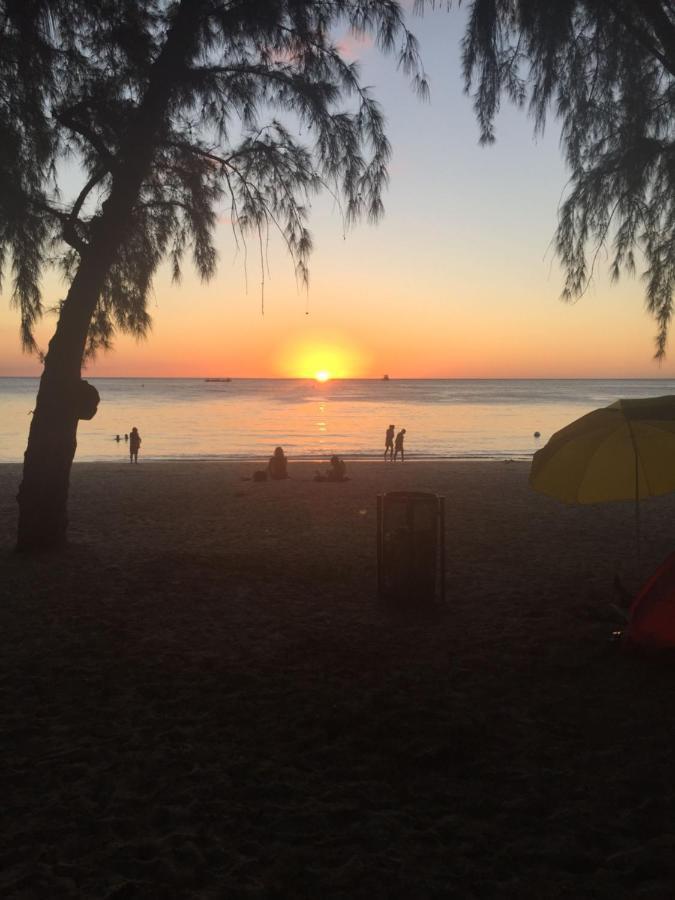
(97, 177)
(662, 25)
(67, 117)
(69, 231)
(644, 38)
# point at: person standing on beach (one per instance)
(134, 445)
(389, 443)
(398, 446)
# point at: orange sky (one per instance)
(457, 281)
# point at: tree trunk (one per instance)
(63, 397)
(52, 439)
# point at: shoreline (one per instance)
(184, 419)
(236, 460)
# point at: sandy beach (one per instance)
(201, 697)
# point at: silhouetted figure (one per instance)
(398, 445)
(118, 438)
(126, 437)
(337, 471)
(277, 467)
(134, 445)
(389, 443)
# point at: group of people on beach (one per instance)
(277, 467)
(394, 445)
(134, 440)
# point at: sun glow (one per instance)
(321, 360)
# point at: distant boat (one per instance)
(217, 379)
(385, 378)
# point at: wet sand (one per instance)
(201, 698)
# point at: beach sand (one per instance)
(201, 698)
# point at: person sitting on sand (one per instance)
(398, 446)
(277, 467)
(337, 471)
(134, 445)
(389, 443)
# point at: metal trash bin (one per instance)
(410, 549)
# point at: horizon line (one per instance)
(226, 378)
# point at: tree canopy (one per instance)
(606, 70)
(262, 111)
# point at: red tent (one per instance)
(652, 613)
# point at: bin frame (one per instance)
(440, 533)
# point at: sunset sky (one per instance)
(458, 280)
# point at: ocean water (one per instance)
(247, 418)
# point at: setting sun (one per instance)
(321, 358)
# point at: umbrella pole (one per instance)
(637, 538)
(637, 515)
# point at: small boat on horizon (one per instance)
(385, 378)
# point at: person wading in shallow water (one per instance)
(389, 443)
(134, 445)
(398, 445)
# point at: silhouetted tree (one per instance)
(606, 69)
(169, 108)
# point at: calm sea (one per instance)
(246, 418)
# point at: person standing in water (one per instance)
(398, 445)
(134, 445)
(389, 443)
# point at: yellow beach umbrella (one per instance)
(625, 451)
